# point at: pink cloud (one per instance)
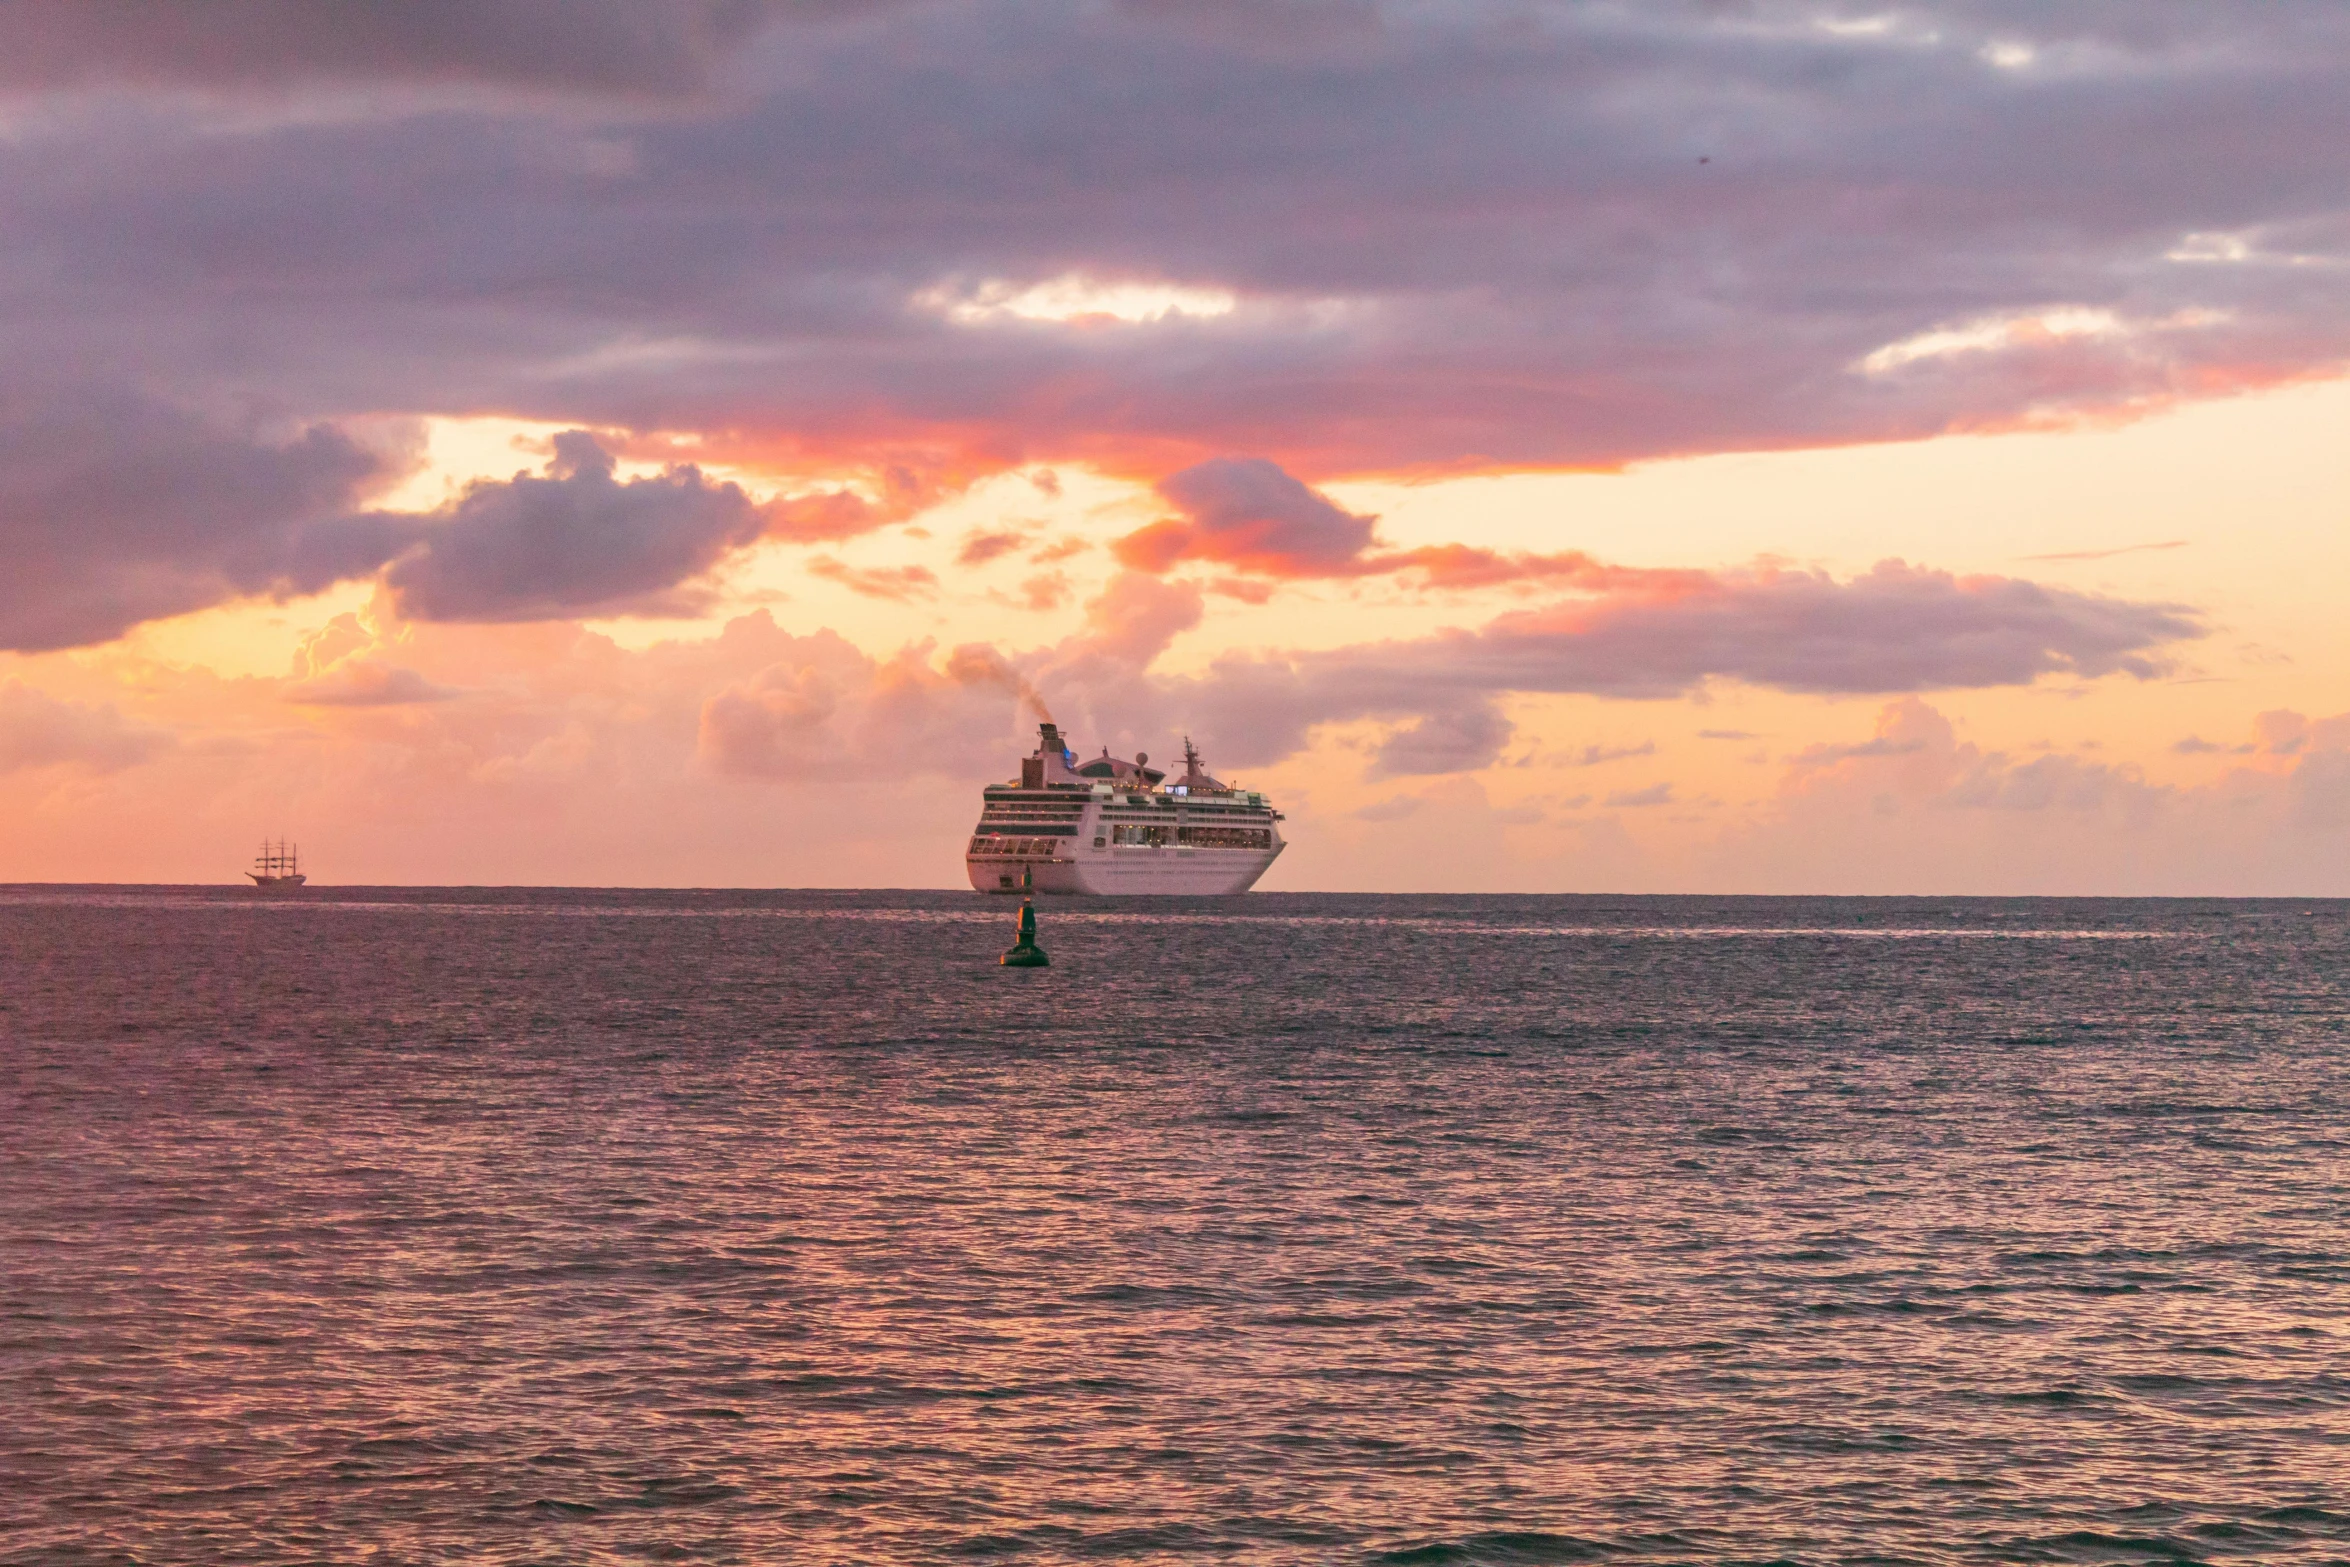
(1248, 515)
(1918, 808)
(982, 545)
(582, 760)
(38, 730)
(1244, 512)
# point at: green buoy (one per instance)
(1025, 953)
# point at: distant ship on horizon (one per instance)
(277, 865)
(1106, 826)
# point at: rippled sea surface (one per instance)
(597, 1227)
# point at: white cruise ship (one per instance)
(1109, 826)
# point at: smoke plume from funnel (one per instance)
(974, 665)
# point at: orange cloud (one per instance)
(1250, 516)
(901, 584)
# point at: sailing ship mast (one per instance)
(278, 864)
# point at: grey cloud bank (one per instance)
(1473, 236)
(1894, 629)
(1458, 235)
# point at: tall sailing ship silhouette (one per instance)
(277, 865)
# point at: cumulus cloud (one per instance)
(1895, 628)
(1245, 512)
(38, 730)
(1044, 591)
(1248, 514)
(1442, 698)
(364, 683)
(1916, 761)
(575, 541)
(1134, 620)
(982, 545)
(890, 492)
(820, 708)
(1459, 739)
(117, 509)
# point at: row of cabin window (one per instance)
(1138, 837)
(991, 845)
(1195, 837)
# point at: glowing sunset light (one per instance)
(1076, 297)
(1399, 412)
(2056, 324)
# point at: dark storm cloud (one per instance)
(1472, 236)
(574, 542)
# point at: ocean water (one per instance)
(491, 1227)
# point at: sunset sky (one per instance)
(1703, 446)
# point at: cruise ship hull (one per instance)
(1124, 871)
(1105, 829)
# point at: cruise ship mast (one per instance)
(1195, 777)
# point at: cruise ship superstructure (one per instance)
(1110, 826)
